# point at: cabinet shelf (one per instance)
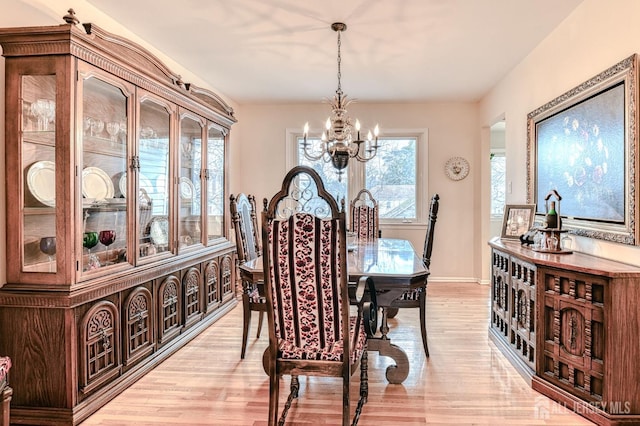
(35, 211)
(45, 138)
(112, 204)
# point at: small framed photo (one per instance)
(518, 219)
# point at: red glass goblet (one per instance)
(107, 237)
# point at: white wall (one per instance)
(594, 37)
(452, 130)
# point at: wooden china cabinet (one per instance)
(117, 227)
(570, 324)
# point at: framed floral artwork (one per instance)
(517, 220)
(583, 144)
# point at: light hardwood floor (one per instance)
(465, 381)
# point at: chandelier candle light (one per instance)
(341, 140)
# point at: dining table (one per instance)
(395, 267)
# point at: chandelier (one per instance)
(341, 139)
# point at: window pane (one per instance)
(327, 172)
(497, 184)
(391, 178)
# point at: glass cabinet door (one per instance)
(215, 183)
(39, 166)
(189, 186)
(104, 179)
(153, 178)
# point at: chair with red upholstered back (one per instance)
(5, 391)
(364, 216)
(311, 331)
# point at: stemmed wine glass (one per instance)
(97, 126)
(48, 247)
(107, 237)
(90, 240)
(113, 128)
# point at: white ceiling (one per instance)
(393, 50)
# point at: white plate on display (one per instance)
(187, 190)
(159, 230)
(96, 184)
(41, 179)
(144, 182)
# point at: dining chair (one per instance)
(364, 216)
(311, 329)
(417, 298)
(5, 391)
(248, 247)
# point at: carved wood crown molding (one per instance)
(95, 45)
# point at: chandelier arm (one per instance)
(364, 159)
(309, 155)
(354, 150)
(369, 147)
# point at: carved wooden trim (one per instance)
(103, 286)
(116, 55)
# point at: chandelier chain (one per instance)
(339, 63)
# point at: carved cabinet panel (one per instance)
(573, 326)
(226, 277)
(138, 324)
(191, 282)
(169, 309)
(212, 285)
(99, 346)
(513, 293)
(499, 290)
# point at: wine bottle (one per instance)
(552, 217)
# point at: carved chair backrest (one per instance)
(364, 215)
(304, 233)
(245, 224)
(428, 240)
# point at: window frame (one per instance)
(356, 171)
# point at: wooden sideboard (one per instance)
(570, 324)
(104, 141)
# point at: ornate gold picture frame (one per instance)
(583, 144)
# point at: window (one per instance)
(498, 165)
(392, 176)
